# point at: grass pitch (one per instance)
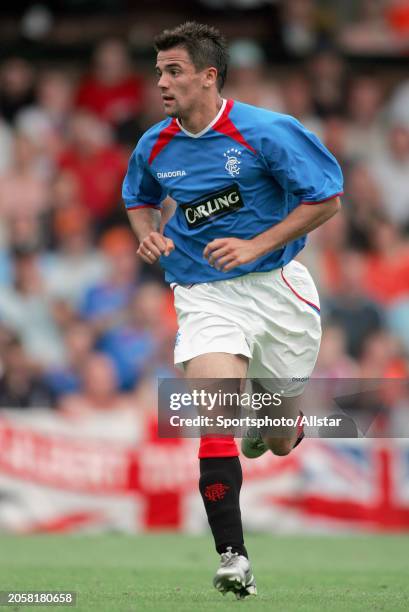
(170, 572)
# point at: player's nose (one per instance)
(162, 83)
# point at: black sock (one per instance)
(220, 484)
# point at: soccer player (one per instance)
(249, 185)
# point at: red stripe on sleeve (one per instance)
(164, 138)
(225, 126)
(325, 199)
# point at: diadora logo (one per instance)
(171, 174)
(222, 202)
(233, 163)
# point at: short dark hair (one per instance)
(204, 44)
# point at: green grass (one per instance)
(117, 573)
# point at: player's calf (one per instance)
(280, 446)
(220, 483)
(254, 445)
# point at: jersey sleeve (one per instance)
(300, 163)
(140, 188)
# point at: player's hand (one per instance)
(224, 254)
(153, 246)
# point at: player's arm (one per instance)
(145, 222)
(228, 253)
(142, 195)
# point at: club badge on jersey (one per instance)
(232, 164)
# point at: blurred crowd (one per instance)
(84, 324)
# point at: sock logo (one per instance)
(216, 492)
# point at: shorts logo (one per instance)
(233, 163)
(171, 174)
(211, 206)
(216, 492)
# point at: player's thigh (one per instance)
(216, 365)
(221, 375)
(210, 338)
(282, 413)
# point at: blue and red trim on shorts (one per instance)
(300, 297)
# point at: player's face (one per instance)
(180, 84)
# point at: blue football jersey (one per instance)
(237, 178)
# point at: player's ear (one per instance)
(210, 77)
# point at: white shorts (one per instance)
(270, 317)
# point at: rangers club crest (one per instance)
(216, 492)
(233, 163)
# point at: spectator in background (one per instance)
(326, 73)
(162, 364)
(387, 272)
(24, 204)
(374, 32)
(24, 186)
(105, 303)
(112, 90)
(324, 255)
(350, 309)
(363, 206)
(99, 395)
(335, 138)
(301, 31)
(297, 99)
(152, 109)
(134, 345)
(28, 311)
(46, 121)
(391, 171)
(65, 191)
(366, 133)
(16, 87)
(79, 342)
(381, 357)
(249, 81)
(130, 131)
(97, 164)
(28, 232)
(146, 399)
(20, 385)
(75, 265)
(22, 233)
(387, 277)
(333, 360)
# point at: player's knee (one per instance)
(280, 446)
